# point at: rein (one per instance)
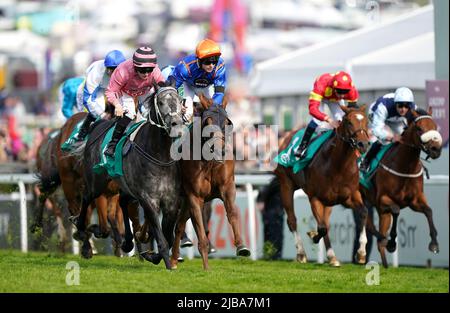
(422, 147)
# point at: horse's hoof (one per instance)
(391, 246)
(360, 258)
(155, 258)
(434, 247)
(334, 262)
(212, 249)
(301, 258)
(87, 253)
(127, 246)
(186, 242)
(312, 234)
(80, 235)
(74, 219)
(242, 251)
(180, 259)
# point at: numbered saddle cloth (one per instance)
(287, 157)
(365, 177)
(113, 166)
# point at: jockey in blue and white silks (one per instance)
(202, 72)
(387, 117)
(98, 75)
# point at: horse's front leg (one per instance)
(392, 244)
(357, 204)
(332, 259)
(102, 230)
(127, 245)
(421, 205)
(318, 210)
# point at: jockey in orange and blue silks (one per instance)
(201, 71)
(329, 89)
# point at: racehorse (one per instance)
(398, 181)
(150, 176)
(49, 181)
(204, 180)
(331, 178)
(60, 168)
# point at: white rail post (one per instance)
(190, 234)
(395, 258)
(23, 217)
(251, 220)
(321, 252)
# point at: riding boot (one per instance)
(373, 151)
(301, 151)
(84, 129)
(121, 125)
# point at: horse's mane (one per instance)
(410, 117)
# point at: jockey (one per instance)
(134, 78)
(98, 75)
(329, 89)
(200, 71)
(69, 95)
(389, 110)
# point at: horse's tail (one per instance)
(48, 183)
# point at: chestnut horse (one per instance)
(331, 178)
(398, 181)
(204, 180)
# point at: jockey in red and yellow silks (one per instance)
(329, 89)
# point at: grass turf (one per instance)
(44, 272)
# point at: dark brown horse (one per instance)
(331, 178)
(398, 181)
(204, 180)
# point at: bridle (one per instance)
(160, 118)
(351, 138)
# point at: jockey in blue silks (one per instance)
(203, 72)
(389, 110)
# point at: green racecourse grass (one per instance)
(43, 272)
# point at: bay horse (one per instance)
(398, 181)
(150, 176)
(61, 168)
(331, 178)
(204, 180)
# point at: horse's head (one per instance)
(216, 118)
(422, 133)
(353, 128)
(167, 107)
